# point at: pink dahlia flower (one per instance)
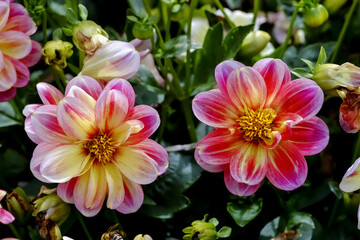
(95, 143)
(5, 216)
(264, 125)
(17, 51)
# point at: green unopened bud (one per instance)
(315, 16)
(254, 43)
(19, 205)
(142, 30)
(56, 52)
(334, 5)
(331, 77)
(200, 230)
(88, 36)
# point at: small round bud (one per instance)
(315, 16)
(254, 43)
(56, 52)
(142, 30)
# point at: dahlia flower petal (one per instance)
(275, 73)
(218, 147)
(20, 23)
(209, 167)
(90, 191)
(246, 88)
(123, 86)
(17, 9)
(7, 95)
(222, 72)
(120, 134)
(115, 186)
(351, 180)
(38, 157)
(88, 84)
(6, 217)
(66, 190)
(2, 64)
(150, 118)
(349, 116)
(134, 197)
(287, 168)
(4, 13)
(213, 109)
(22, 73)
(136, 165)
(48, 93)
(239, 189)
(249, 164)
(2, 194)
(76, 118)
(30, 131)
(80, 94)
(30, 108)
(15, 44)
(34, 56)
(46, 126)
(310, 136)
(301, 96)
(7, 76)
(156, 152)
(63, 163)
(110, 110)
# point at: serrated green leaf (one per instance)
(224, 232)
(322, 56)
(83, 12)
(176, 46)
(234, 39)
(334, 188)
(57, 34)
(71, 16)
(243, 212)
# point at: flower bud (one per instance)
(115, 59)
(19, 205)
(88, 36)
(334, 5)
(254, 43)
(331, 77)
(56, 52)
(315, 16)
(142, 30)
(143, 237)
(200, 230)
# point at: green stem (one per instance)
(81, 59)
(16, 105)
(116, 219)
(289, 33)
(58, 78)
(83, 225)
(176, 80)
(343, 31)
(44, 26)
(185, 104)
(14, 231)
(220, 6)
(166, 20)
(188, 58)
(147, 6)
(356, 153)
(256, 11)
(163, 116)
(333, 213)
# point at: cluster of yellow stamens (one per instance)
(100, 147)
(257, 124)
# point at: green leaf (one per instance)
(244, 212)
(138, 7)
(224, 232)
(83, 12)
(234, 39)
(12, 163)
(301, 73)
(71, 16)
(7, 115)
(334, 188)
(296, 218)
(310, 64)
(322, 56)
(132, 18)
(57, 34)
(67, 31)
(214, 221)
(174, 47)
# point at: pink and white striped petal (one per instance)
(88, 84)
(90, 191)
(80, 94)
(111, 110)
(136, 165)
(30, 131)
(275, 73)
(249, 164)
(7, 75)
(134, 197)
(7, 95)
(310, 136)
(239, 189)
(213, 109)
(115, 186)
(22, 73)
(15, 44)
(34, 56)
(246, 89)
(301, 96)
(150, 118)
(64, 162)
(120, 134)
(287, 168)
(66, 190)
(4, 13)
(209, 167)
(6, 217)
(17, 9)
(76, 118)
(20, 23)
(48, 93)
(351, 180)
(222, 72)
(46, 126)
(156, 152)
(2, 64)
(123, 86)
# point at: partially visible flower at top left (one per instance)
(5, 216)
(17, 51)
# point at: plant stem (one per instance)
(220, 6)
(83, 225)
(256, 11)
(343, 31)
(333, 213)
(289, 33)
(185, 104)
(356, 153)
(163, 116)
(44, 26)
(14, 231)
(58, 78)
(16, 105)
(81, 59)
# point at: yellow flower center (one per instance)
(100, 147)
(257, 124)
